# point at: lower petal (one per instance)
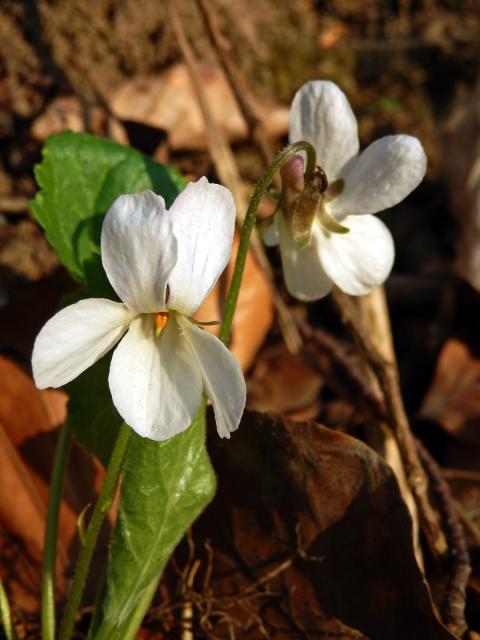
(156, 384)
(222, 377)
(304, 274)
(362, 259)
(75, 338)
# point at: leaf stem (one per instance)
(102, 506)
(51, 533)
(5, 617)
(250, 218)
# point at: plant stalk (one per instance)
(51, 533)
(249, 223)
(102, 506)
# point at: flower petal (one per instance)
(304, 274)
(203, 218)
(139, 250)
(75, 338)
(222, 377)
(360, 260)
(321, 115)
(271, 236)
(382, 176)
(156, 383)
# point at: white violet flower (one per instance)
(162, 264)
(347, 246)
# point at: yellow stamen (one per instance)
(161, 320)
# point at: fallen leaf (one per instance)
(282, 382)
(253, 315)
(168, 102)
(308, 528)
(453, 399)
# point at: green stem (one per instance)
(5, 617)
(102, 506)
(249, 223)
(50, 550)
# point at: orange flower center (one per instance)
(161, 320)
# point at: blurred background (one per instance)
(153, 75)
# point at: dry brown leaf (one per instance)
(284, 383)
(453, 400)
(254, 312)
(328, 508)
(67, 113)
(168, 102)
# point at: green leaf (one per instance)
(165, 487)
(79, 179)
(94, 419)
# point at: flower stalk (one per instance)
(51, 533)
(5, 616)
(260, 190)
(102, 506)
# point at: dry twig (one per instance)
(227, 171)
(453, 609)
(386, 373)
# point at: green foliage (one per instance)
(165, 485)
(79, 178)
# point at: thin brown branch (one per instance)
(386, 373)
(453, 609)
(245, 100)
(227, 171)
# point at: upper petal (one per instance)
(139, 250)
(302, 268)
(75, 338)
(382, 176)
(222, 377)
(321, 115)
(360, 260)
(203, 218)
(156, 384)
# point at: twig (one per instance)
(387, 375)
(227, 171)
(245, 99)
(335, 349)
(453, 608)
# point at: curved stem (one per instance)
(247, 228)
(5, 617)
(51, 531)
(102, 506)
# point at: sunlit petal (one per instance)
(203, 218)
(75, 338)
(139, 250)
(222, 377)
(156, 383)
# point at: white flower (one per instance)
(162, 264)
(380, 177)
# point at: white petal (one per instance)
(139, 250)
(271, 236)
(203, 218)
(75, 338)
(304, 275)
(382, 176)
(360, 260)
(156, 384)
(321, 115)
(222, 377)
